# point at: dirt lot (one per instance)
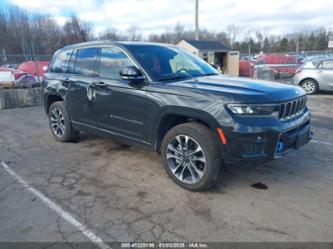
(124, 194)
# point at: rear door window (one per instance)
(85, 61)
(60, 63)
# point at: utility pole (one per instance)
(197, 20)
(297, 50)
(250, 62)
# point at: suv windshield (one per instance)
(170, 63)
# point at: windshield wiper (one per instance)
(208, 74)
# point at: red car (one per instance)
(283, 65)
(36, 68)
(28, 73)
(244, 68)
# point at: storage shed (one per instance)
(215, 53)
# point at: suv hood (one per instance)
(243, 88)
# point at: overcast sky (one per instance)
(269, 16)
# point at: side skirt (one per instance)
(111, 134)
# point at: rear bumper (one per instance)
(264, 141)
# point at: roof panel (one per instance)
(208, 45)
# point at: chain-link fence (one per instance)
(22, 71)
(280, 66)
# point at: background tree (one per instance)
(29, 36)
(112, 34)
(75, 31)
(134, 34)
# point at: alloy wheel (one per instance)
(309, 86)
(186, 159)
(57, 122)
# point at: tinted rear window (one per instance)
(60, 64)
(85, 61)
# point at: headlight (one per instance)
(248, 109)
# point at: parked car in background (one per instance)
(7, 80)
(21, 79)
(314, 76)
(14, 66)
(36, 68)
(283, 65)
(245, 68)
(17, 74)
(28, 74)
(27, 81)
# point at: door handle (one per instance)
(99, 84)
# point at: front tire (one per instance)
(310, 86)
(60, 123)
(191, 156)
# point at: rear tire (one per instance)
(60, 123)
(310, 86)
(191, 156)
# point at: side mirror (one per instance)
(131, 73)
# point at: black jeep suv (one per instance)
(170, 101)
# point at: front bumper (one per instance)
(261, 139)
(293, 139)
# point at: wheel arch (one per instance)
(308, 78)
(312, 79)
(51, 98)
(174, 116)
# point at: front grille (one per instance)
(292, 108)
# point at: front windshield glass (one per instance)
(170, 63)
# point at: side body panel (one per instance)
(121, 109)
(326, 79)
(80, 108)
